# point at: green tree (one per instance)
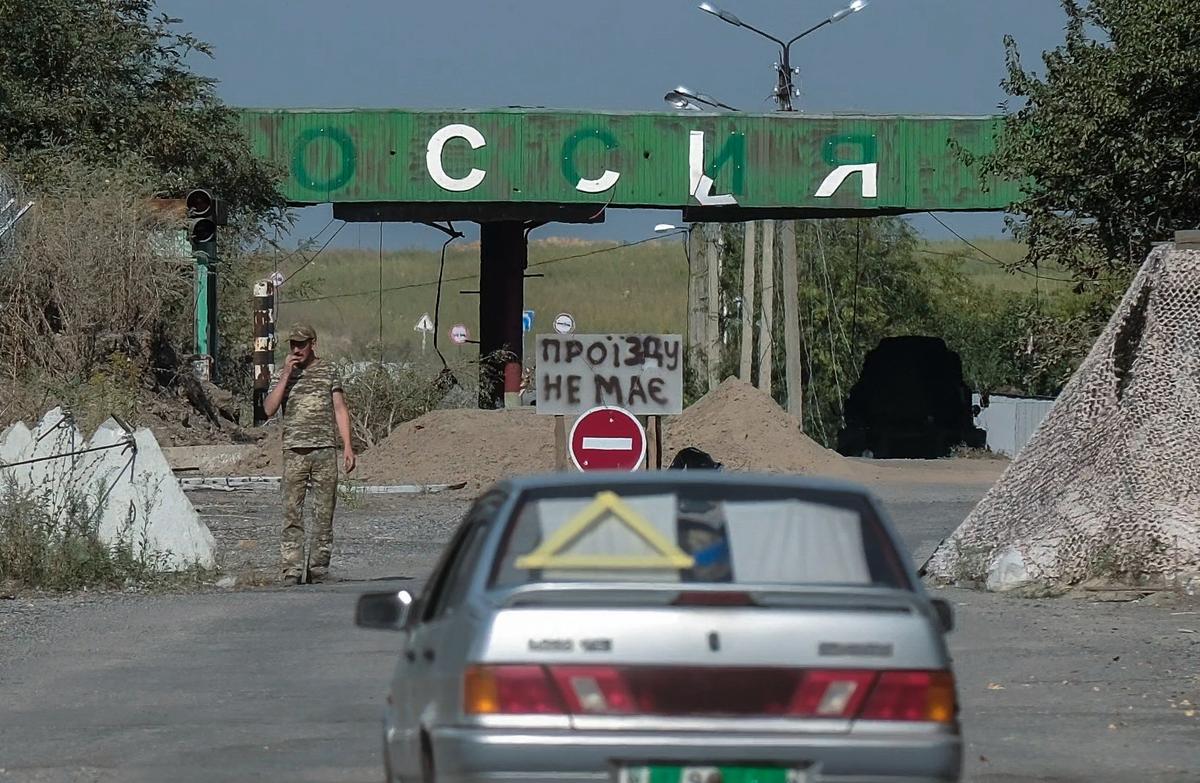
(108, 86)
(1106, 138)
(108, 82)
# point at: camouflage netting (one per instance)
(1108, 486)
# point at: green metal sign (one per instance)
(887, 164)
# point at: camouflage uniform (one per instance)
(309, 459)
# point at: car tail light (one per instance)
(594, 690)
(912, 696)
(831, 693)
(845, 694)
(510, 690)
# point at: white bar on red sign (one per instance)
(608, 444)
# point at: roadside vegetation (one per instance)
(55, 545)
(861, 280)
(100, 118)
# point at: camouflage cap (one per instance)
(301, 333)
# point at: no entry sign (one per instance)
(607, 438)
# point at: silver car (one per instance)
(670, 627)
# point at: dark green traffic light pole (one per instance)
(205, 213)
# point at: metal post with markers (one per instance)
(264, 345)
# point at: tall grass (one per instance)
(57, 546)
(641, 288)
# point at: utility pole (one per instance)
(746, 365)
(766, 342)
(791, 321)
(697, 329)
(712, 359)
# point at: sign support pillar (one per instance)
(503, 256)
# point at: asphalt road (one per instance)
(275, 684)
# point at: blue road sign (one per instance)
(527, 321)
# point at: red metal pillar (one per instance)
(503, 256)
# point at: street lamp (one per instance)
(683, 98)
(784, 89)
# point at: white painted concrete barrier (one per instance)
(135, 496)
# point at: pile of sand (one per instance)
(475, 446)
(743, 428)
(265, 460)
(739, 425)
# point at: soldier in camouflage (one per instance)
(309, 391)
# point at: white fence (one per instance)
(1010, 421)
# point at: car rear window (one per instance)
(702, 534)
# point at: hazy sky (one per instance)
(896, 56)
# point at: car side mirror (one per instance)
(945, 614)
(383, 611)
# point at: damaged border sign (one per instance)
(642, 373)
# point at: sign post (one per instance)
(425, 327)
(607, 438)
(639, 374)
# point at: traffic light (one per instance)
(205, 213)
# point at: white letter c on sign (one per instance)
(433, 158)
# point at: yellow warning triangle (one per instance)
(551, 552)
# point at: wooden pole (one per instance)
(712, 348)
(560, 443)
(746, 365)
(697, 302)
(658, 443)
(766, 341)
(791, 320)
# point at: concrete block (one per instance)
(14, 441)
(205, 459)
(53, 480)
(145, 503)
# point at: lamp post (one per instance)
(683, 98)
(785, 90)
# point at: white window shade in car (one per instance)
(793, 542)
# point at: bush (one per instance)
(90, 276)
(381, 397)
(60, 548)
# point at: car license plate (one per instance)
(660, 773)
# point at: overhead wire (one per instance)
(437, 304)
(463, 278)
(989, 258)
(830, 314)
(299, 248)
(304, 266)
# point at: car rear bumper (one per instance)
(478, 755)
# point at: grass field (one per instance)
(640, 288)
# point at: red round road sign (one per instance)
(607, 438)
